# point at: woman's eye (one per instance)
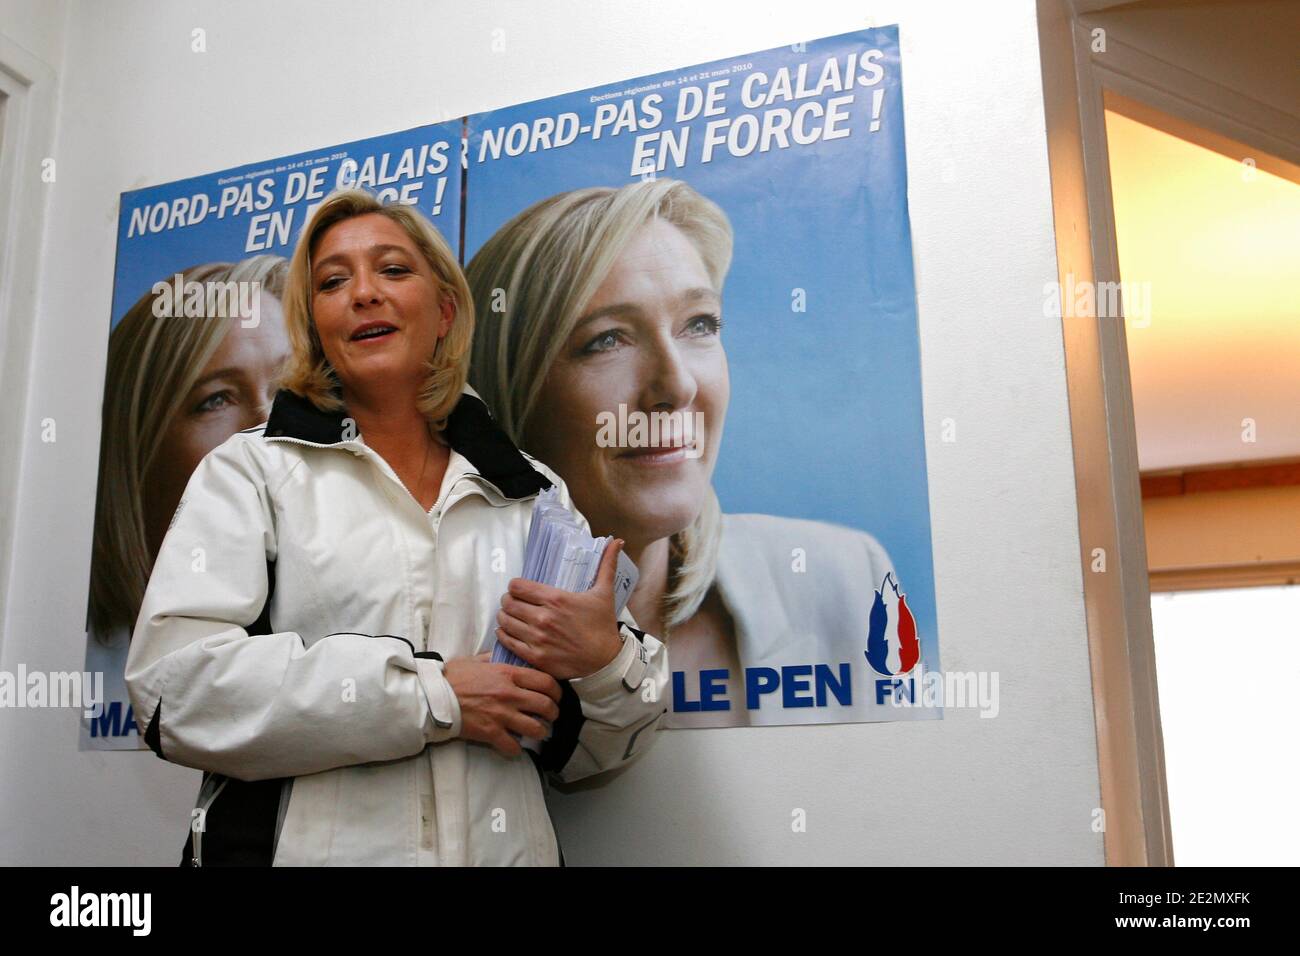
(214, 402)
(395, 270)
(706, 324)
(329, 283)
(601, 343)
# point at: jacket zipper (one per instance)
(286, 794)
(205, 804)
(478, 485)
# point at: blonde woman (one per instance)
(325, 668)
(176, 387)
(603, 302)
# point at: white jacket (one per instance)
(292, 639)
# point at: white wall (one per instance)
(139, 108)
(38, 27)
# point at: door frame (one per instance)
(28, 99)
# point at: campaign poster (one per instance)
(181, 382)
(696, 302)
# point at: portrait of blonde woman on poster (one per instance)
(605, 298)
(327, 670)
(175, 389)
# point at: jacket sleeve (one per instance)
(611, 716)
(210, 695)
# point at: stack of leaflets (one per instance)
(560, 553)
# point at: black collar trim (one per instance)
(470, 430)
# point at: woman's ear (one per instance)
(448, 308)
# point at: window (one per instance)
(1228, 666)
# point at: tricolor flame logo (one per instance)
(892, 647)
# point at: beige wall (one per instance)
(1254, 531)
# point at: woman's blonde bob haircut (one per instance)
(532, 281)
(309, 374)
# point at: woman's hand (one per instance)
(564, 633)
(497, 700)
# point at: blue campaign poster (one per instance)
(172, 393)
(821, 604)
